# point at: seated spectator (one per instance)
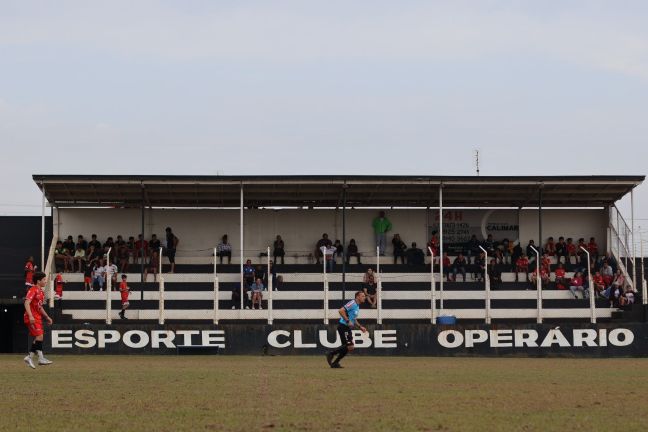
(248, 273)
(459, 266)
(616, 289)
(324, 242)
(415, 256)
(544, 277)
(489, 244)
(236, 297)
(522, 266)
(561, 251)
(472, 249)
(130, 244)
(94, 242)
(550, 247)
(98, 275)
(224, 249)
(260, 273)
(278, 250)
(369, 286)
(30, 269)
(577, 284)
(499, 256)
(79, 258)
(506, 250)
(480, 267)
(545, 263)
(628, 297)
(399, 248)
(69, 245)
(352, 251)
(580, 253)
(495, 274)
(154, 245)
(329, 257)
(516, 254)
(62, 259)
(561, 281)
(122, 256)
(530, 252)
(257, 293)
(571, 249)
(447, 266)
(339, 250)
(92, 255)
(82, 242)
(109, 245)
(279, 283)
(607, 273)
(434, 245)
(599, 284)
(153, 266)
(592, 248)
(141, 248)
(111, 272)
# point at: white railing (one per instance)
(620, 243)
(48, 270)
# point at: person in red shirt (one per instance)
(592, 248)
(550, 247)
(33, 318)
(599, 283)
(446, 266)
(545, 263)
(522, 265)
(58, 286)
(571, 249)
(561, 280)
(125, 292)
(138, 247)
(544, 277)
(30, 268)
(577, 285)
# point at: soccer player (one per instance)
(348, 320)
(58, 283)
(30, 268)
(125, 291)
(33, 318)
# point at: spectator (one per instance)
(278, 250)
(545, 263)
(109, 245)
(130, 244)
(616, 289)
(576, 285)
(58, 287)
(111, 272)
(599, 283)
(447, 267)
(154, 245)
(607, 274)
(415, 256)
(571, 249)
(472, 249)
(82, 242)
(459, 266)
(544, 277)
(516, 254)
(236, 297)
(561, 281)
(257, 293)
(352, 251)
(62, 259)
(30, 268)
(530, 252)
(550, 247)
(79, 258)
(628, 297)
(506, 249)
(369, 286)
(381, 225)
(260, 273)
(153, 266)
(522, 266)
(92, 255)
(561, 250)
(94, 242)
(479, 267)
(495, 274)
(489, 244)
(248, 273)
(141, 248)
(324, 242)
(98, 275)
(592, 248)
(69, 245)
(122, 256)
(434, 245)
(279, 283)
(87, 277)
(499, 255)
(399, 248)
(273, 275)
(224, 249)
(329, 257)
(171, 247)
(339, 250)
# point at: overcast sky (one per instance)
(335, 87)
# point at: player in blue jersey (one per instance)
(348, 321)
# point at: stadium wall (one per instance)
(530, 340)
(200, 230)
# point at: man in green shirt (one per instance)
(381, 225)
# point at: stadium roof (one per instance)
(328, 191)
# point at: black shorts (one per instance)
(170, 253)
(346, 335)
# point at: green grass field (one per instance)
(222, 393)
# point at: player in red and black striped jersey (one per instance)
(33, 318)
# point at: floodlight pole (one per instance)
(538, 285)
(590, 287)
(486, 287)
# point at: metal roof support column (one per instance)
(142, 231)
(539, 245)
(440, 247)
(344, 251)
(42, 260)
(242, 250)
(632, 238)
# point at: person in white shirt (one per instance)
(98, 275)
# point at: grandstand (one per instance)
(252, 210)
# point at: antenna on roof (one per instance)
(477, 161)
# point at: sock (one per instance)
(343, 351)
(34, 348)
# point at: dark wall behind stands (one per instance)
(20, 237)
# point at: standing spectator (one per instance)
(352, 251)
(124, 291)
(224, 249)
(561, 281)
(369, 286)
(278, 250)
(153, 266)
(495, 274)
(92, 255)
(550, 247)
(30, 268)
(415, 256)
(522, 265)
(248, 273)
(87, 278)
(260, 273)
(130, 244)
(79, 258)
(561, 250)
(98, 275)
(399, 248)
(324, 242)
(472, 249)
(459, 266)
(141, 248)
(58, 287)
(257, 293)
(272, 275)
(109, 245)
(381, 225)
(154, 245)
(339, 250)
(577, 285)
(171, 247)
(434, 245)
(446, 266)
